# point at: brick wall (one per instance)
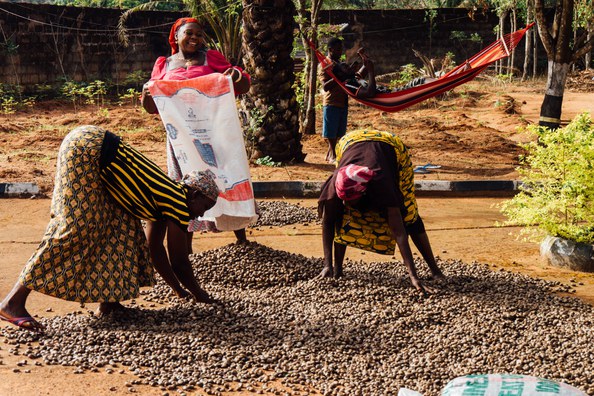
(390, 36)
(56, 42)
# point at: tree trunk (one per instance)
(499, 63)
(550, 110)
(270, 112)
(534, 54)
(588, 56)
(309, 24)
(308, 125)
(513, 27)
(528, 44)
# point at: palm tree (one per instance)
(270, 110)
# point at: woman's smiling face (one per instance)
(190, 38)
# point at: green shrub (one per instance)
(267, 161)
(81, 92)
(557, 193)
(12, 99)
(407, 73)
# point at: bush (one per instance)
(557, 192)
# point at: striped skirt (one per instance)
(92, 250)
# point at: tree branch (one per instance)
(543, 32)
(579, 52)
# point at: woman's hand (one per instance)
(181, 293)
(147, 100)
(241, 83)
(235, 74)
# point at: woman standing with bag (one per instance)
(190, 58)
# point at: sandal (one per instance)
(24, 322)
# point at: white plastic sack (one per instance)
(507, 384)
(408, 392)
(202, 124)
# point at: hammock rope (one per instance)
(463, 73)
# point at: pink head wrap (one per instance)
(351, 181)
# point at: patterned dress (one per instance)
(94, 248)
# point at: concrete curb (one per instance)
(311, 189)
(435, 188)
(18, 190)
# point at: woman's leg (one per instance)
(190, 237)
(12, 308)
(240, 235)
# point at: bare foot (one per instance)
(437, 276)
(327, 272)
(203, 297)
(106, 308)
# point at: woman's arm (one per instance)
(220, 64)
(331, 212)
(241, 81)
(399, 233)
(147, 100)
(177, 248)
(155, 234)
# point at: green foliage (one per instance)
(505, 77)
(81, 92)
(256, 120)
(458, 35)
(461, 36)
(9, 46)
(476, 38)
(267, 161)
(299, 87)
(163, 5)
(8, 105)
(94, 92)
(136, 79)
(131, 96)
(12, 99)
(71, 91)
(557, 194)
(407, 73)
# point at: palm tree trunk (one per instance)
(270, 111)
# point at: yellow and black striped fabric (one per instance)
(406, 176)
(92, 250)
(143, 189)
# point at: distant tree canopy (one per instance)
(124, 4)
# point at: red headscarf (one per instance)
(351, 181)
(176, 25)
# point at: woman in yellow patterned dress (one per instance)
(94, 248)
(373, 184)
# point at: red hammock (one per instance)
(396, 101)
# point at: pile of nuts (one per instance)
(367, 333)
(280, 213)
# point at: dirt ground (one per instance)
(472, 133)
(468, 133)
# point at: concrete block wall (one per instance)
(54, 43)
(389, 36)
